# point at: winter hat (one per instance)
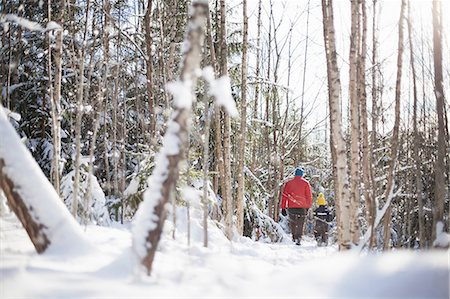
(299, 172)
(321, 200)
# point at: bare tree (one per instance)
(151, 213)
(374, 118)
(149, 73)
(226, 192)
(366, 148)
(440, 166)
(257, 85)
(354, 120)
(242, 136)
(337, 142)
(80, 93)
(416, 142)
(55, 93)
(395, 134)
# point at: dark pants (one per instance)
(321, 232)
(296, 222)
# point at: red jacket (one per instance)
(297, 194)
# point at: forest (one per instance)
(183, 120)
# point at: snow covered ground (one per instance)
(242, 268)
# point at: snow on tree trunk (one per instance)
(31, 196)
(151, 214)
(340, 168)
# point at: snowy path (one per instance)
(239, 269)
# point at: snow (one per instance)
(53, 26)
(27, 24)
(38, 194)
(442, 238)
(220, 89)
(241, 269)
(182, 93)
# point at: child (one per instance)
(323, 217)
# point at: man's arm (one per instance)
(308, 194)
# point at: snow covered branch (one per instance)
(31, 196)
(150, 217)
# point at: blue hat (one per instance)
(299, 172)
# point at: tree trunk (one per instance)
(440, 168)
(226, 192)
(395, 134)
(341, 186)
(374, 121)
(80, 93)
(150, 217)
(257, 87)
(149, 73)
(416, 142)
(240, 198)
(355, 122)
(56, 98)
(366, 149)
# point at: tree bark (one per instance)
(257, 86)
(226, 192)
(341, 185)
(355, 122)
(366, 148)
(149, 73)
(416, 141)
(80, 93)
(374, 119)
(240, 198)
(440, 166)
(395, 134)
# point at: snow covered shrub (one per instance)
(91, 206)
(259, 226)
(133, 194)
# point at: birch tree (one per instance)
(243, 133)
(354, 120)
(337, 142)
(367, 149)
(388, 192)
(55, 92)
(226, 192)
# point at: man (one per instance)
(297, 199)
